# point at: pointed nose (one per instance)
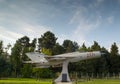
(103, 53)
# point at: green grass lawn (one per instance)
(25, 81)
(101, 81)
(49, 81)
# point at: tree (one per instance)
(114, 59)
(97, 63)
(25, 46)
(6, 53)
(95, 46)
(47, 51)
(114, 50)
(48, 40)
(26, 71)
(5, 67)
(76, 46)
(33, 45)
(106, 61)
(83, 48)
(21, 47)
(24, 41)
(7, 48)
(42, 73)
(16, 58)
(1, 58)
(58, 49)
(1, 48)
(70, 46)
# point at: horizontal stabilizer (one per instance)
(42, 67)
(36, 57)
(28, 62)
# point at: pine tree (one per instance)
(114, 50)
(114, 59)
(83, 48)
(47, 42)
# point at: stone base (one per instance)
(63, 83)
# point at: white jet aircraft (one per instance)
(44, 61)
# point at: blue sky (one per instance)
(77, 20)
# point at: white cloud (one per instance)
(110, 19)
(35, 31)
(16, 27)
(13, 35)
(31, 31)
(19, 23)
(84, 24)
(61, 38)
(3, 37)
(78, 15)
(7, 34)
(97, 3)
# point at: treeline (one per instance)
(13, 66)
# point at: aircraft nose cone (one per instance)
(103, 53)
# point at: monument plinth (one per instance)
(64, 76)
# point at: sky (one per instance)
(83, 21)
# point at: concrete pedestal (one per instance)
(63, 83)
(64, 76)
